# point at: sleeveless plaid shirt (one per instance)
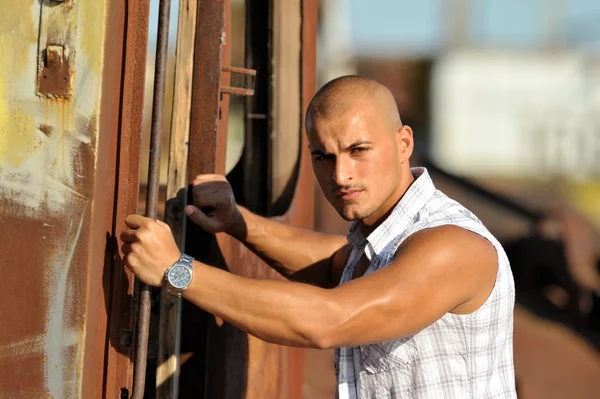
(458, 356)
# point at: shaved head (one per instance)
(359, 148)
(345, 93)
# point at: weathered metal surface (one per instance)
(127, 34)
(58, 169)
(237, 91)
(243, 71)
(55, 77)
(56, 55)
(206, 87)
(45, 192)
(225, 88)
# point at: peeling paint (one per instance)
(18, 46)
(24, 347)
(48, 154)
(59, 374)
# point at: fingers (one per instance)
(136, 221)
(212, 191)
(203, 199)
(201, 219)
(208, 177)
(129, 235)
(126, 248)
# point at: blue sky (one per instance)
(417, 26)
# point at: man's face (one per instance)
(356, 159)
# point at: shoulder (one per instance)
(449, 241)
(454, 256)
(447, 238)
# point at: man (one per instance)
(423, 299)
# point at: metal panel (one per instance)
(58, 169)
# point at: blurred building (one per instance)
(505, 93)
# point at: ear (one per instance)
(405, 142)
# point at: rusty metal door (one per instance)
(71, 94)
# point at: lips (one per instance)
(347, 195)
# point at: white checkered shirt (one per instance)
(458, 356)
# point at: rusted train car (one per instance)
(71, 97)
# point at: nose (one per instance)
(342, 173)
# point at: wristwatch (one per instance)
(179, 275)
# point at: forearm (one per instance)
(290, 250)
(280, 312)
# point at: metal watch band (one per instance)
(184, 260)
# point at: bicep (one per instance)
(434, 272)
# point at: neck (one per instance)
(370, 223)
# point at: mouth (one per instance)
(347, 194)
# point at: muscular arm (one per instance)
(440, 270)
(297, 253)
(436, 271)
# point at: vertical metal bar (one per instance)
(143, 325)
(122, 98)
(206, 89)
(204, 150)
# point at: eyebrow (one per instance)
(358, 144)
(351, 146)
(318, 152)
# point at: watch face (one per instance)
(179, 276)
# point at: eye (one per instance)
(322, 157)
(358, 150)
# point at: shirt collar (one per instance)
(404, 215)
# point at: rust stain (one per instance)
(48, 180)
(47, 130)
(56, 75)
